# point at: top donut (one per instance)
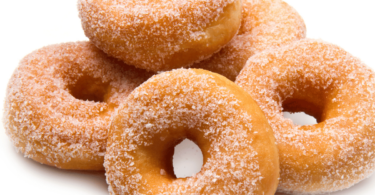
(160, 35)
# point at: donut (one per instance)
(160, 35)
(60, 101)
(239, 152)
(326, 82)
(265, 24)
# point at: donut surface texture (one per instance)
(160, 35)
(265, 24)
(336, 88)
(60, 101)
(239, 153)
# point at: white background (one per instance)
(28, 25)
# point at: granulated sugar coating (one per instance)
(265, 24)
(60, 101)
(160, 35)
(336, 88)
(239, 152)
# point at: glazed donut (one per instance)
(239, 153)
(60, 101)
(336, 88)
(160, 35)
(265, 24)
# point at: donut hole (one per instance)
(300, 118)
(302, 112)
(187, 159)
(88, 88)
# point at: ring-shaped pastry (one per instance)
(60, 101)
(239, 153)
(336, 88)
(160, 35)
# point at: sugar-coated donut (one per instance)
(336, 88)
(160, 35)
(265, 24)
(239, 153)
(60, 101)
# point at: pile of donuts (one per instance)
(218, 72)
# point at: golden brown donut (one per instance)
(160, 35)
(336, 88)
(60, 101)
(239, 152)
(265, 24)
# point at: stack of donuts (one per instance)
(218, 72)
